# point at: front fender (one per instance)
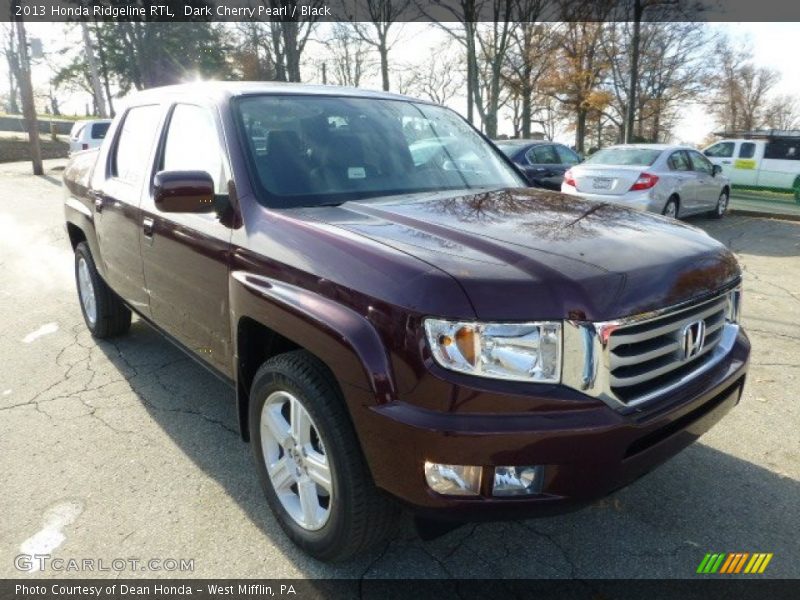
(343, 339)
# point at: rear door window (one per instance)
(134, 143)
(543, 155)
(678, 161)
(747, 150)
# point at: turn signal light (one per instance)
(645, 182)
(569, 178)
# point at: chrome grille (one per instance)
(650, 354)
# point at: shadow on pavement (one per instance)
(661, 526)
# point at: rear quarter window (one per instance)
(783, 150)
(99, 130)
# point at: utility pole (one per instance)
(28, 106)
(95, 75)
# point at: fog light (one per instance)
(517, 481)
(453, 480)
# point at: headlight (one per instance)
(734, 309)
(516, 351)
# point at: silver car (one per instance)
(671, 180)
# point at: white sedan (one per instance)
(671, 180)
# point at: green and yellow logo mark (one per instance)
(734, 562)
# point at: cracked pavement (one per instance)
(141, 446)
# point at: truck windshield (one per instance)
(308, 150)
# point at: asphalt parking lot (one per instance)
(130, 450)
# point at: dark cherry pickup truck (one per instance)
(403, 322)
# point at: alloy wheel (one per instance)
(722, 203)
(86, 291)
(297, 465)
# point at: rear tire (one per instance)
(671, 208)
(103, 311)
(347, 514)
(722, 205)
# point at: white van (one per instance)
(87, 134)
(772, 162)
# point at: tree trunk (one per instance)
(634, 71)
(472, 75)
(94, 72)
(28, 106)
(383, 50)
(580, 130)
(101, 54)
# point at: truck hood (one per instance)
(532, 254)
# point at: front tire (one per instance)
(104, 313)
(309, 461)
(722, 205)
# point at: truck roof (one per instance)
(229, 89)
(759, 134)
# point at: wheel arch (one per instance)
(272, 317)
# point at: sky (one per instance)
(770, 44)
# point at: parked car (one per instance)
(672, 180)
(543, 163)
(85, 135)
(429, 335)
(764, 160)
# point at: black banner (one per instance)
(414, 10)
(744, 588)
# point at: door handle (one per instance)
(725, 162)
(147, 227)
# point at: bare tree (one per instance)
(740, 97)
(528, 58)
(493, 39)
(466, 13)
(439, 80)
(9, 50)
(383, 14)
(672, 69)
(782, 113)
(254, 53)
(348, 55)
(289, 39)
(755, 84)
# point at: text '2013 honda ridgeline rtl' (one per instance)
(404, 323)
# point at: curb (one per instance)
(758, 213)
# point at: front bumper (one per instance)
(588, 449)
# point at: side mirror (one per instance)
(716, 170)
(183, 192)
